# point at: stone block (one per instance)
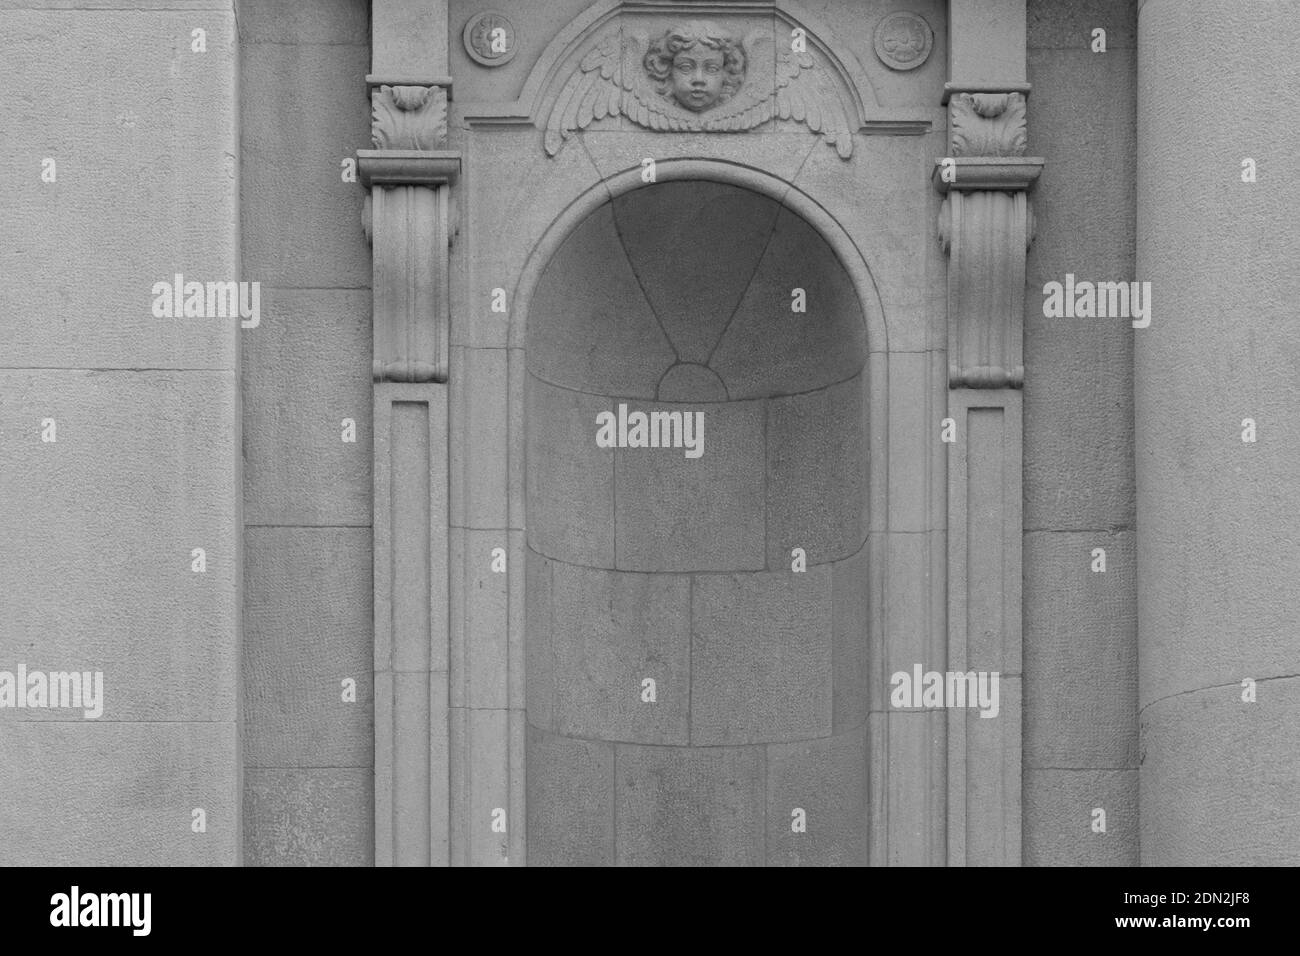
(570, 801)
(827, 780)
(570, 482)
(480, 617)
(328, 22)
(891, 194)
(761, 657)
(676, 513)
(100, 527)
(323, 817)
(118, 793)
(1218, 777)
(817, 474)
(610, 631)
(1080, 655)
(479, 470)
(678, 806)
(307, 627)
(291, 183)
(1058, 810)
(486, 762)
(1078, 439)
(852, 607)
(143, 135)
(306, 369)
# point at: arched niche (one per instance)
(735, 580)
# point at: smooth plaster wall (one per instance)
(308, 791)
(1080, 627)
(97, 527)
(643, 563)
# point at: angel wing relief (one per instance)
(696, 77)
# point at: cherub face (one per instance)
(697, 77)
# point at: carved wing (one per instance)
(591, 93)
(610, 80)
(784, 85)
(805, 94)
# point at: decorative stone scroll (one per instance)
(405, 216)
(985, 226)
(697, 76)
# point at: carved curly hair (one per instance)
(658, 60)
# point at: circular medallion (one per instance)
(903, 41)
(490, 38)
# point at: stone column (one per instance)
(409, 175)
(985, 226)
(120, 482)
(1218, 530)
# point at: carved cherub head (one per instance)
(696, 64)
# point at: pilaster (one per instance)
(985, 226)
(409, 174)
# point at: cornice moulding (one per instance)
(1000, 173)
(408, 167)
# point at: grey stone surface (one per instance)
(853, 595)
(570, 482)
(99, 528)
(816, 474)
(1079, 471)
(1080, 651)
(570, 801)
(768, 349)
(1217, 528)
(1060, 27)
(590, 326)
(305, 369)
(118, 793)
(1218, 777)
(307, 624)
(679, 806)
(1059, 805)
(675, 513)
(827, 779)
(761, 656)
(319, 817)
(330, 22)
(479, 469)
(694, 247)
(143, 136)
(301, 223)
(610, 631)
(881, 213)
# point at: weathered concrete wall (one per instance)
(644, 563)
(1218, 530)
(1080, 640)
(308, 753)
(120, 432)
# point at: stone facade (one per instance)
(367, 587)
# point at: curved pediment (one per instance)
(699, 68)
